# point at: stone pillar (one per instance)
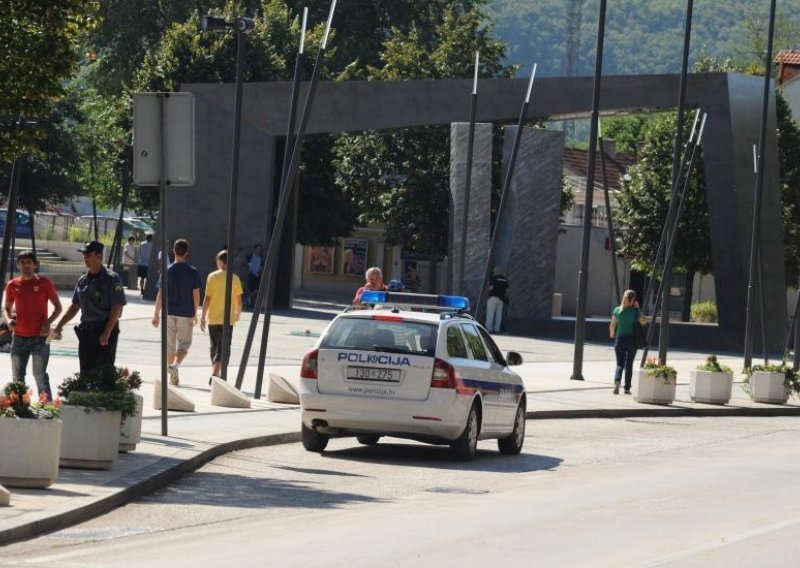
(478, 224)
(529, 230)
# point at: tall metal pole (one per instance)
(117, 242)
(268, 278)
(473, 109)
(8, 235)
(612, 245)
(583, 276)
(287, 191)
(756, 227)
(663, 338)
(232, 204)
(670, 218)
(673, 232)
(796, 359)
(512, 163)
(94, 191)
(162, 225)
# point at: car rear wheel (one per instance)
(313, 441)
(512, 445)
(368, 439)
(466, 445)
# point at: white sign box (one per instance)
(178, 136)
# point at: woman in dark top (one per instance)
(621, 330)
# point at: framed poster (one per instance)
(354, 257)
(320, 260)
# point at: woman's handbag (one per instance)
(640, 334)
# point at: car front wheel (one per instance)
(313, 441)
(512, 445)
(466, 445)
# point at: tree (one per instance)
(48, 175)
(401, 179)
(39, 42)
(643, 202)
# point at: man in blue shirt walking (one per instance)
(183, 288)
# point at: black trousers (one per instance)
(91, 354)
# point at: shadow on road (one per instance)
(233, 490)
(439, 457)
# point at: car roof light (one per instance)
(442, 301)
(373, 297)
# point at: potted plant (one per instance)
(131, 430)
(771, 383)
(95, 404)
(30, 438)
(711, 382)
(655, 383)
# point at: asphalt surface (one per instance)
(196, 438)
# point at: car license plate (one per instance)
(373, 374)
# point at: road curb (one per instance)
(664, 412)
(144, 483)
(144, 486)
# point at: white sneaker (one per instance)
(174, 380)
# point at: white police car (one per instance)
(395, 370)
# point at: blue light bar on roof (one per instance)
(373, 297)
(442, 301)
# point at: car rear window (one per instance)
(398, 336)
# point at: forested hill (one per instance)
(642, 36)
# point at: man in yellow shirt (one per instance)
(214, 311)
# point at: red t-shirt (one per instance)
(30, 299)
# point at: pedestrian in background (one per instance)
(214, 312)
(130, 262)
(621, 330)
(183, 287)
(373, 281)
(254, 267)
(99, 296)
(144, 261)
(411, 280)
(498, 290)
(26, 307)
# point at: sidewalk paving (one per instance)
(196, 438)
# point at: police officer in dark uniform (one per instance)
(99, 295)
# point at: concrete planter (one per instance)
(130, 433)
(29, 450)
(652, 390)
(710, 387)
(768, 387)
(90, 438)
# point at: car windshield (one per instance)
(394, 336)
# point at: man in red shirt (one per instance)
(26, 313)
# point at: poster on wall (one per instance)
(354, 257)
(320, 260)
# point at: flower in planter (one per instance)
(654, 368)
(713, 365)
(791, 382)
(15, 402)
(109, 388)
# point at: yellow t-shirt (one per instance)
(215, 288)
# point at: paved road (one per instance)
(637, 492)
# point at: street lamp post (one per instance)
(242, 27)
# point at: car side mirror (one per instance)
(513, 358)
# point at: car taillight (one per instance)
(308, 369)
(444, 375)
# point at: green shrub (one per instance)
(704, 312)
(713, 365)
